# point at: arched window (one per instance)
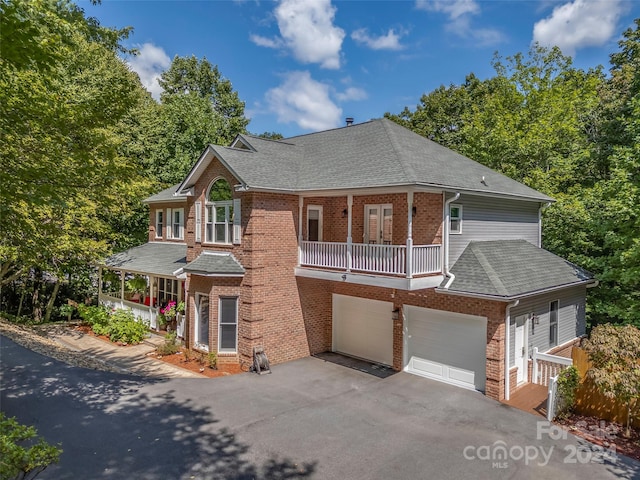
(219, 213)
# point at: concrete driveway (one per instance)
(308, 419)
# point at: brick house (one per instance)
(368, 240)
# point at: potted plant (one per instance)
(169, 311)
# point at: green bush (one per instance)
(18, 461)
(568, 382)
(170, 345)
(94, 316)
(123, 327)
(213, 360)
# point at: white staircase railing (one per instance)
(546, 366)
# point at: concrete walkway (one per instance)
(131, 359)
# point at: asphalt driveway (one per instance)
(308, 419)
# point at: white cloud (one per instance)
(307, 30)
(352, 94)
(150, 62)
(303, 100)
(390, 41)
(266, 42)
(453, 8)
(578, 24)
(460, 13)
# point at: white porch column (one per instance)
(122, 288)
(349, 236)
(300, 205)
(409, 267)
(152, 294)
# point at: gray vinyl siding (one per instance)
(571, 319)
(488, 218)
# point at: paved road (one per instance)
(309, 419)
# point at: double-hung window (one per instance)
(553, 323)
(219, 213)
(228, 322)
(177, 223)
(455, 218)
(219, 222)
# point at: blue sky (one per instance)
(305, 65)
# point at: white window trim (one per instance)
(181, 224)
(459, 218)
(220, 350)
(159, 233)
(228, 223)
(320, 215)
(196, 332)
(557, 323)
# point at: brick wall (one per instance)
(427, 223)
(291, 317)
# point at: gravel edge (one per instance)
(35, 339)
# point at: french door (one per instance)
(378, 224)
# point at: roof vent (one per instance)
(349, 121)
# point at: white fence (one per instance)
(371, 258)
(552, 398)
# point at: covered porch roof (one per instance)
(153, 258)
(510, 269)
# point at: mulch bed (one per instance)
(179, 360)
(605, 434)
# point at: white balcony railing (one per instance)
(372, 258)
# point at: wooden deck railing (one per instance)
(371, 258)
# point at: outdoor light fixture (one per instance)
(395, 313)
(414, 210)
(344, 213)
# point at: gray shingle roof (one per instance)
(213, 263)
(150, 258)
(375, 153)
(166, 195)
(511, 268)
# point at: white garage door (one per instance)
(446, 346)
(363, 328)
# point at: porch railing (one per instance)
(371, 258)
(143, 312)
(546, 366)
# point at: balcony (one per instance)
(392, 260)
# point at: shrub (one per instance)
(170, 345)
(568, 382)
(96, 316)
(18, 461)
(213, 360)
(123, 327)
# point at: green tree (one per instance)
(198, 107)
(18, 461)
(62, 97)
(614, 352)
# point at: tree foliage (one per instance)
(614, 352)
(197, 107)
(63, 95)
(570, 133)
(21, 457)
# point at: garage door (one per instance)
(446, 346)
(363, 328)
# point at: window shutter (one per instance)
(169, 222)
(198, 222)
(237, 223)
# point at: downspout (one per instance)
(447, 216)
(507, 344)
